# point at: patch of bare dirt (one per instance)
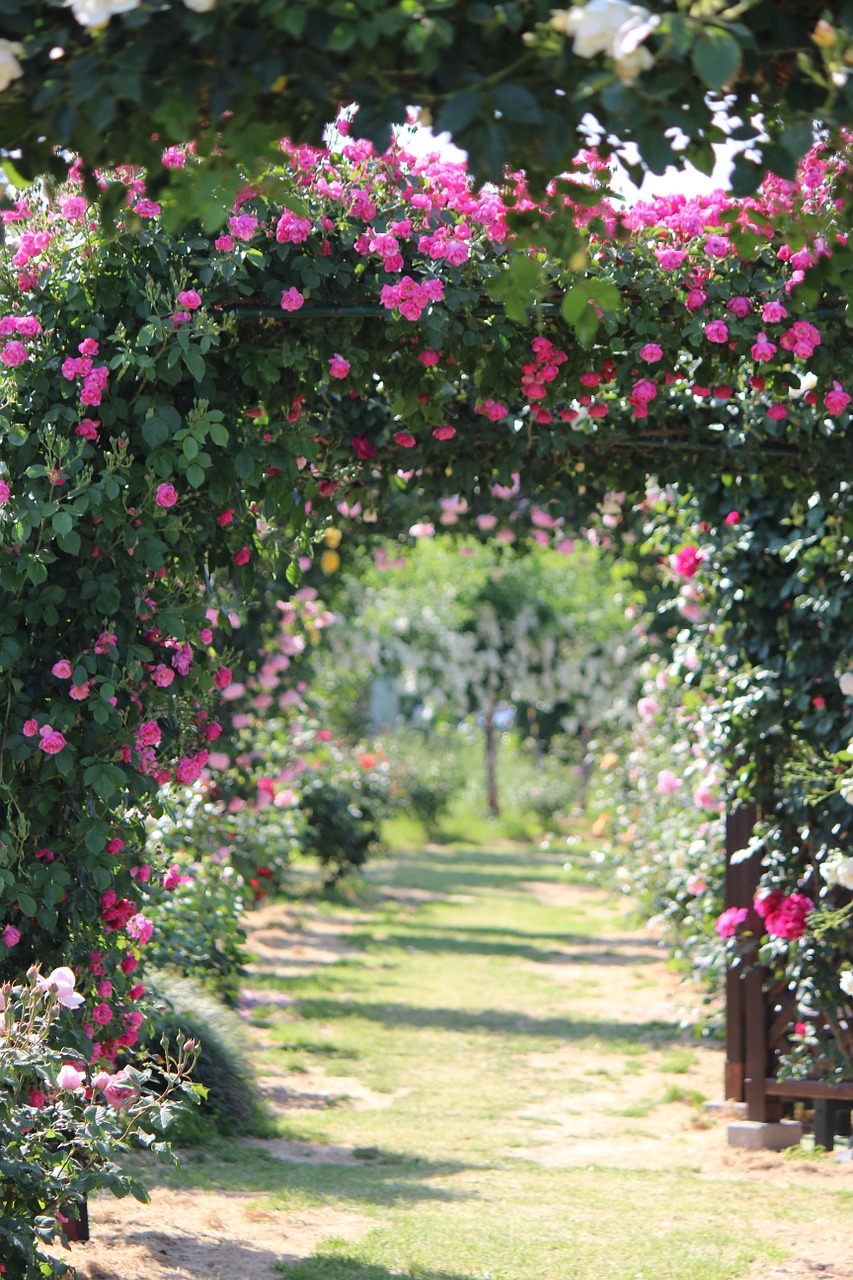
(202, 1235)
(287, 944)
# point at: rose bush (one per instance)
(64, 1122)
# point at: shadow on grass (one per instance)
(325, 1268)
(381, 1177)
(602, 950)
(495, 1021)
(447, 873)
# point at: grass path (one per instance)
(481, 1076)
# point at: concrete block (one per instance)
(756, 1135)
(729, 1110)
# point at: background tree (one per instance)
(471, 629)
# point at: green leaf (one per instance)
(219, 434)
(69, 543)
(62, 522)
(27, 904)
(195, 363)
(575, 301)
(716, 57)
(458, 112)
(517, 104)
(195, 475)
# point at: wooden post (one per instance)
(77, 1229)
(741, 1005)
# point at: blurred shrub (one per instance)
(234, 1106)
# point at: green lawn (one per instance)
(448, 1014)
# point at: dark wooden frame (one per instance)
(757, 1020)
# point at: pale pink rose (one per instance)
(70, 1078)
(667, 783)
(79, 692)
(647, 709)
(704, 797)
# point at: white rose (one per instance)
(10, 67)
(846, 981)
(593, 25)
(630, 56)
(200, 6)
(844, 873)
(610, 26)
(845, 684)
(96, 13)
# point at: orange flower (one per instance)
(367, 761)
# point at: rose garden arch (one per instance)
(175, 407)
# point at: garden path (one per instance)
(479, 1072)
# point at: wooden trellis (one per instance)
(759, 1020)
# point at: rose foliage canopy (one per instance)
(114, 80)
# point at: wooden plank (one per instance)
(842, 1092)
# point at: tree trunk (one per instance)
(491, 753)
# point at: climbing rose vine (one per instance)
(176, 408)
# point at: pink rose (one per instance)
(405, 439)
(149, 733)
(225, 517)
(139, 928)
(729, 922)
(739, 307)
(162, 676)
(5, 492)
(173, 877)
(686, 561)
(338, 366)
(651, 353)
(243, 556)
(428, 358)
(716, 331)
(190, 299)
(102, 1013)
(62, 668)
(223, 242)
(52, 741)
(733, 518)
(243, 226)
(222, 677)
(837, 400)
(11, 936)
(166, 495)
(291, 299)
(444, 433)
(14, 353)
(762, 349)
(31, 728)
(772, 312)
